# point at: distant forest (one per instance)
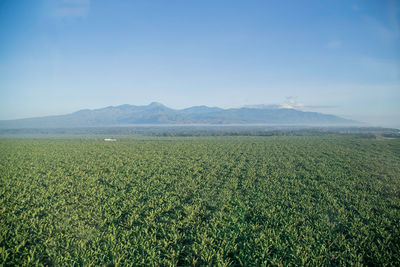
(181, 131)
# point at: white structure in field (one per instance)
(110, 139)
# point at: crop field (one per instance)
(281, 200)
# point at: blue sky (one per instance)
(337, 57)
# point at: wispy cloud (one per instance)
(334, 44)
(292, 103)
(388, 30)
(356, 7)
(72, 9)
(384, 32)
(394, 16)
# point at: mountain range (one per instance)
(156, 114)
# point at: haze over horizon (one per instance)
(335, 57)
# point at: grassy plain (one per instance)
(320, 200)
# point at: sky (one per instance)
(335, 57)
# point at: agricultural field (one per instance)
(279, 200)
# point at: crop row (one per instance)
(200, 201)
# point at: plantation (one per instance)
(280, 200)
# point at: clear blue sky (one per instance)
(338, 57)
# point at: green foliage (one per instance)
(322, 200)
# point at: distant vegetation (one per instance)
(252, 201)
(391, 135)
(370, 132)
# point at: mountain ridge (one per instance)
(157, 113)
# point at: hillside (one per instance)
(156, 113)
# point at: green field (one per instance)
(316, 200)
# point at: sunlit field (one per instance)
(316, 200)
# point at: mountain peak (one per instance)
(157, 113)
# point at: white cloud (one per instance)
(291, 102)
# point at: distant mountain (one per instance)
(157, 113)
